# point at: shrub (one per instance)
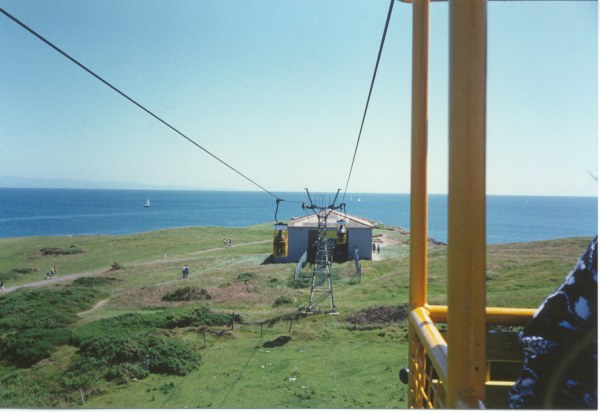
(139, 323)
(128, 346)
(380, 315)
(30, 346)
(125, 372)
(33, 322)
(116, 266)
(122, 359)
(186, 294)
(43, 308)
(171, 357)
(53, 251)
(304, 280)
(184, 317)
(282, 300)
(128, 324)
(90, 282)
(246, 276)
(16, 273)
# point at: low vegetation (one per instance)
(16, 273)
(187, 294)
(131, 333)
(71, 250)
(34, 322)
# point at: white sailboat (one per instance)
(147, 204)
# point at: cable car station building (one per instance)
(303, 232)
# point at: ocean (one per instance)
(53, 212)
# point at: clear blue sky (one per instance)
(277, 89)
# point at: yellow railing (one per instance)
(427, 363)
(428, 358)
(467, 366)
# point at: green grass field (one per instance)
(330, 361)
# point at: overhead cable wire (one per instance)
(387, 23)
(20, 23)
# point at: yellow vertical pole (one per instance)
(418, 175)
(418, 185)
(466, 204)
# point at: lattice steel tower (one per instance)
(321, 285)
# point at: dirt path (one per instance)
(96, 306)
(383, 241)
(57, 279)
(74, 276)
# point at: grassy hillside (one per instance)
(131, 333)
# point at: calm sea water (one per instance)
(43, 212)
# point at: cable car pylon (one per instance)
(321, 285)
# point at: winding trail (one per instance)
(96, 306)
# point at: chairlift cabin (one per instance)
(455, 366)
(280, 239)
(342, 239)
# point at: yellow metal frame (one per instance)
(452, 371)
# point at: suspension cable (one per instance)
(387, 22)
(132, 100)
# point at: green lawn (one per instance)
(329, 362)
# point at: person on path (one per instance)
(1, 285)
(378, 249)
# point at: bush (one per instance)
(185, 317)
(171, 357)
(282, 300)
(304, 281)
(125, 347)
(31, 346)
(122, 359)
(90, 282)
(128, 324)
(116, 266)
(43, 308)
(54, 251)
(33, 322)
(126, 372)
(246, 276)
(16, 273)
(380, 315)
(186, 294)
(139, 323)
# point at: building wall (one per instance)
(298, 242)
(361, 239)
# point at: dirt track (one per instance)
(74, 276)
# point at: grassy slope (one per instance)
(333, 365)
